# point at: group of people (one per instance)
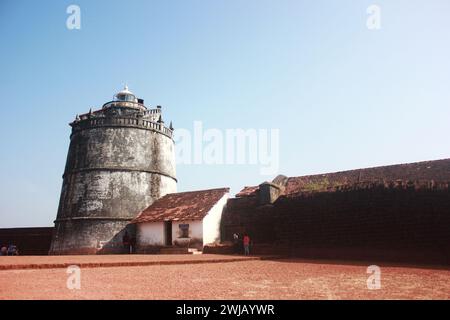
(243, 242)
(10, 250)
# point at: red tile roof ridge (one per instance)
(193, 191)
(188, 205)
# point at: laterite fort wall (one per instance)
(405, 222)
(30, 241)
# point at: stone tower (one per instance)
(120, 160)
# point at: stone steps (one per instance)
(174, 250)
(194, 251)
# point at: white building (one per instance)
(184, 219)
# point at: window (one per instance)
(125, 97)
(184, 230)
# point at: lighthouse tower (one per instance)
(120, 160)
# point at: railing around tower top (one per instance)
(152, 111)
(126, 104)
(120, 122)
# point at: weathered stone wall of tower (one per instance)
(118, 164)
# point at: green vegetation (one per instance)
(320, 185)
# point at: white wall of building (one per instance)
(211, 222)
(201, 232)
(150, 233)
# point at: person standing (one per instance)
(133, 244)
(236, 247)
(246, 242)
(126, 242)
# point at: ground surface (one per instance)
(42, 262)
(248, 279)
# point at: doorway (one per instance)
(168, 233)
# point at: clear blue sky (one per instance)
(343, 96)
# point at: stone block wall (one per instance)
(404, 222)
(30, 241)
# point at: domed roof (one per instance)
(125, 91)
(125, 95)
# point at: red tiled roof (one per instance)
(192, 205)
(437, 170)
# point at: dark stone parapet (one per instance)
(401, 175)
(418, 175)
(379, 185)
